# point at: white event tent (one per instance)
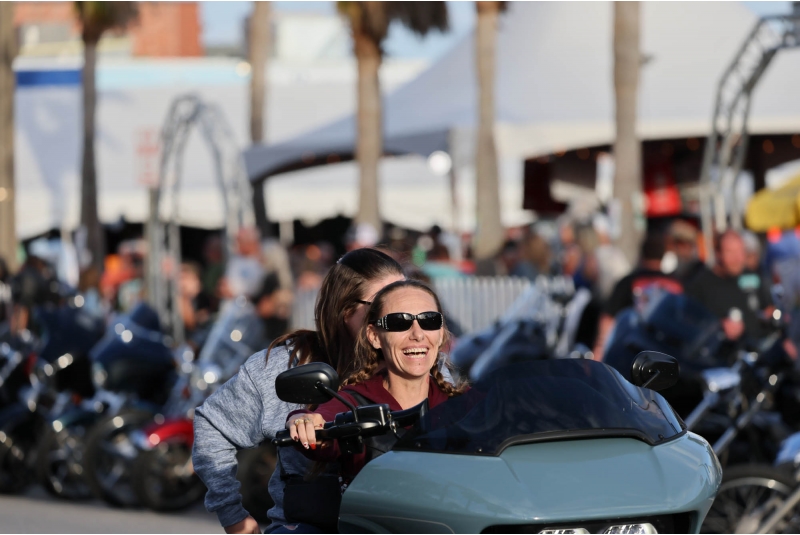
(134, 96)
(554, 92)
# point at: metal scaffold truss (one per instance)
(726, 146)
(163, 233)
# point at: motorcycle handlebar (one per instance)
(350, 429)
(331, 432)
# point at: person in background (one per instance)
(244, 272)
(438, 265)
(131, 287)
(611, 260)
(631, 288)
(718, 289)
(195, 304)
(275, 259)
(214, 268)
(89, 288)
(273, 305)
(681, 258)
(536, 257)
(752, 281)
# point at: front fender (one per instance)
(180, 429)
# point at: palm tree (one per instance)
(8, 236)
(369, 24)
(489, 235)
(627, 148)
(258, 52)
(95, 19)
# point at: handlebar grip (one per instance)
(282, 439)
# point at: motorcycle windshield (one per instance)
(541, 401)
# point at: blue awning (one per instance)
(48, 77)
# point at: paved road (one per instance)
(36, 512)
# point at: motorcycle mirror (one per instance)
(654, 370)
(309, 384)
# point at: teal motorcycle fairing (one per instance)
(533, 485)
(551, 446)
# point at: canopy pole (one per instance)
(260, 209)
(453, 177)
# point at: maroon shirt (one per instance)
(374, 391)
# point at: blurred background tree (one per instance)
(627, 147)
(489, 232)
(96, 18)
(258, 52)
(369, 24)
(8, 46)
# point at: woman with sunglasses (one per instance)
(397, 362)
(246, 411)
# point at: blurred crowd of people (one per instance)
(736, 288)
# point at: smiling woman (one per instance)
(397, 362)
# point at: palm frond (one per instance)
(374, 18)
(97, 17)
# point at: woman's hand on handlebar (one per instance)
(302, 428)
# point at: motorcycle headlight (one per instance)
(99, 375)
(632, 528)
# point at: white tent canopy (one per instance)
(554, 91)
(134, 96)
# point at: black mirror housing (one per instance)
(654, 370)
(299, 384)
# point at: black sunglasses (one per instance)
(402, 321)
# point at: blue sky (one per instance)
(222, 24)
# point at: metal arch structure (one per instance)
(163, 230)
(726, 145)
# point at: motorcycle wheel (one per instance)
(110, 456)
(749, 494)
(17, 458)
(256, 466)
(59, 457)
(164, 479)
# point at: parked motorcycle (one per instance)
(162, 474)
(56, 374)
(133, 371)
(543, 446)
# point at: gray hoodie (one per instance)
(243, 413)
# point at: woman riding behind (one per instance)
(246, 411)
(397, 362)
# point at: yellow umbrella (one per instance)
(771, 208)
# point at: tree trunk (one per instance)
(489, 232)
(258, 53)
(627, 148)
(8, 234)
(369, 143)
(89, 216)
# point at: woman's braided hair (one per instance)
(368, 359)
